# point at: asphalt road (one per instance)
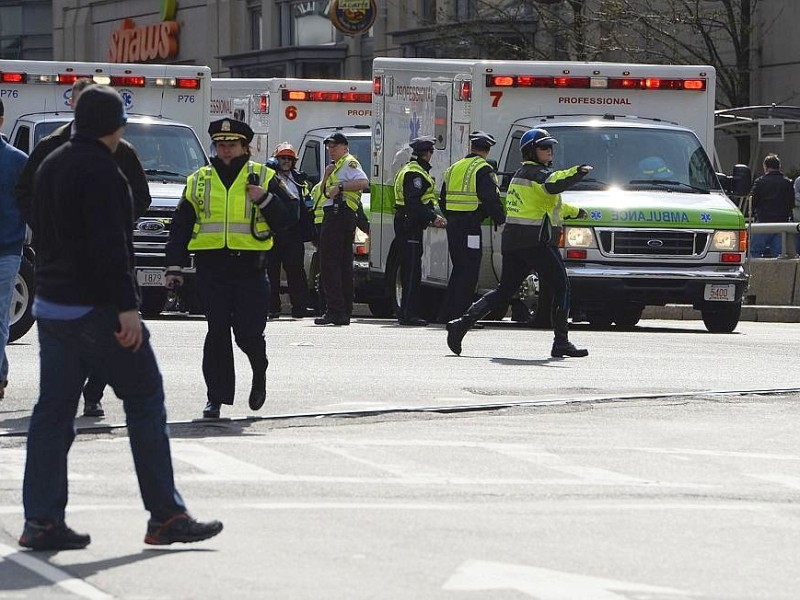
(558, 482)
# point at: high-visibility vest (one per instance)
(352, 199)
(413, 166)
(528, 201)
(223, 216)
(316, 195)
(460, 180)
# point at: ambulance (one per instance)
(167, 109)
(304, 112)
(661, 228)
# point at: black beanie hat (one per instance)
(99, 111)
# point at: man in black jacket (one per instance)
(131, 167)
(82, 218)
(773, 201)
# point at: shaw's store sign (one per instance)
(131, 44)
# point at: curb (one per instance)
(760, 313)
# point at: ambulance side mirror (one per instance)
(741, 181)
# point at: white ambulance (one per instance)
(167, 109)
(649, 240)
(304, 112)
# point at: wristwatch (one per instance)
(341, 187)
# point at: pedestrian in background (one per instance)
(773, 202)
(288, 250)
(225, 218)
(534, 211)
(342, 185)
(796, 212)
(469, 194)
(414, 211)
(82, 219)
(130, 165)
(12, 235)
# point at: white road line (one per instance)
(12, 466)
(788, 481)
(217, 466)
(54, 575)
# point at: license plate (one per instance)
(150, 277)
(716, 292)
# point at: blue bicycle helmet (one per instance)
(539, 137)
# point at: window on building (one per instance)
(427, 11)
(256, 21)
(11, 32)
(310, 23)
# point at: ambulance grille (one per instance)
(150, 236)
(627, 242)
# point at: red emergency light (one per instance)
(127, 80)
(13, 77)
(377, 86)
(464, 91)
(325, 96)
(362, 97)
(655, 83)
(70, 78)
(731, 257)
(187, 83)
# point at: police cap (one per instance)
(481, 139)
(423, 143)
(230, 130)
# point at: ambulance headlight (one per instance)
(578, 237)
(725, 241)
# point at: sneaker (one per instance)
(51, 536)
(93, 409)
(180, 528)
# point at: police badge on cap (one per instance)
(230, 130)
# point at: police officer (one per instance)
(469, 194)
(223, 217)
(288, 250)
(342, 185)
(533, 224)
(415, 209)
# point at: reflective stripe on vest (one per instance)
(527, 201)
(223, 216)
(353, 199)
(460, 180)
(413, 166)
(316, 195)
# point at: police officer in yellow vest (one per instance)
(415, 209)
(221, 219)
(342, 184)
(469, 194)
(534, 212)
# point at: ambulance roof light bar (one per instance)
(325, 96)
(595, 82)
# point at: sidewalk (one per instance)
(763, 313)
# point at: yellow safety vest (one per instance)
(413, 166)
(353, 199)
(223, 216)
(316, 195)
(527, 201)
(460, 180)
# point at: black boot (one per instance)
(561, 344)
(258, 389)
(563, 347)
(457, 328)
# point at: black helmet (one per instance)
(481, 139)
(539, 137)
(423, 143)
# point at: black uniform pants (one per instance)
(548, 264)
(288, 251)
(233, 299)
(465, 255)
(336, 260)
(408, 236)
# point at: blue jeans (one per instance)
(9, 265)
(762, 241)
(69, 350)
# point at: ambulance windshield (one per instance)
(168, 152)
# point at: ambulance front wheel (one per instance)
(723, 319)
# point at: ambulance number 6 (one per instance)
(291, 112)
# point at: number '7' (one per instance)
(496, 98)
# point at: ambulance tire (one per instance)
(381, 308)
(628, 316)
(394, 284)
(153, 301)
(600, 319)
(722, 320)
(22, 300)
